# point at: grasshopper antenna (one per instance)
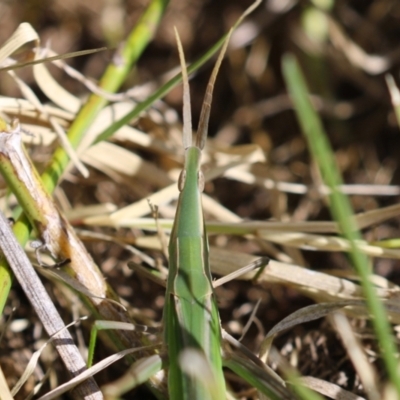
(202, 129)
(187, 113)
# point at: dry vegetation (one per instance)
(252, 120)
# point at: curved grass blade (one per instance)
(158, 94)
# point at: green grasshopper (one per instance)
(191, 315)
(192, 329)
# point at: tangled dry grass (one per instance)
(263, 196)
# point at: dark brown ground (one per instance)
(247, 99)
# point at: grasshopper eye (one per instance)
(200, 181)
(181, 180)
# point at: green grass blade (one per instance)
(340, 207)
(138, 373)
(112, 79)
(158, 94)
(257, 377)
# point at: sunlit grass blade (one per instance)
(158, 94)
(112, 79)
(340, 207)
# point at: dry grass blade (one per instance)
(79, 213)
(235, 225)
(54, 91)
(59, 274)
(328, 389)
(263, 195)
(227, 159)
(4, 389)
(319, 286)
(35, 358)
(255, 265)
(358, 356)
(90, 372)
(24, 109)
(23, 35)
(45, 308)
(59, 237)
(33, 99)
(300, 316)
(251, 177)
(115, 160)
(370, 63)
(49, 59)
(326, 243)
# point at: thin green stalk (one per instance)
(112, 79)
(340, 208)
(173, 82)
(158, 94)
